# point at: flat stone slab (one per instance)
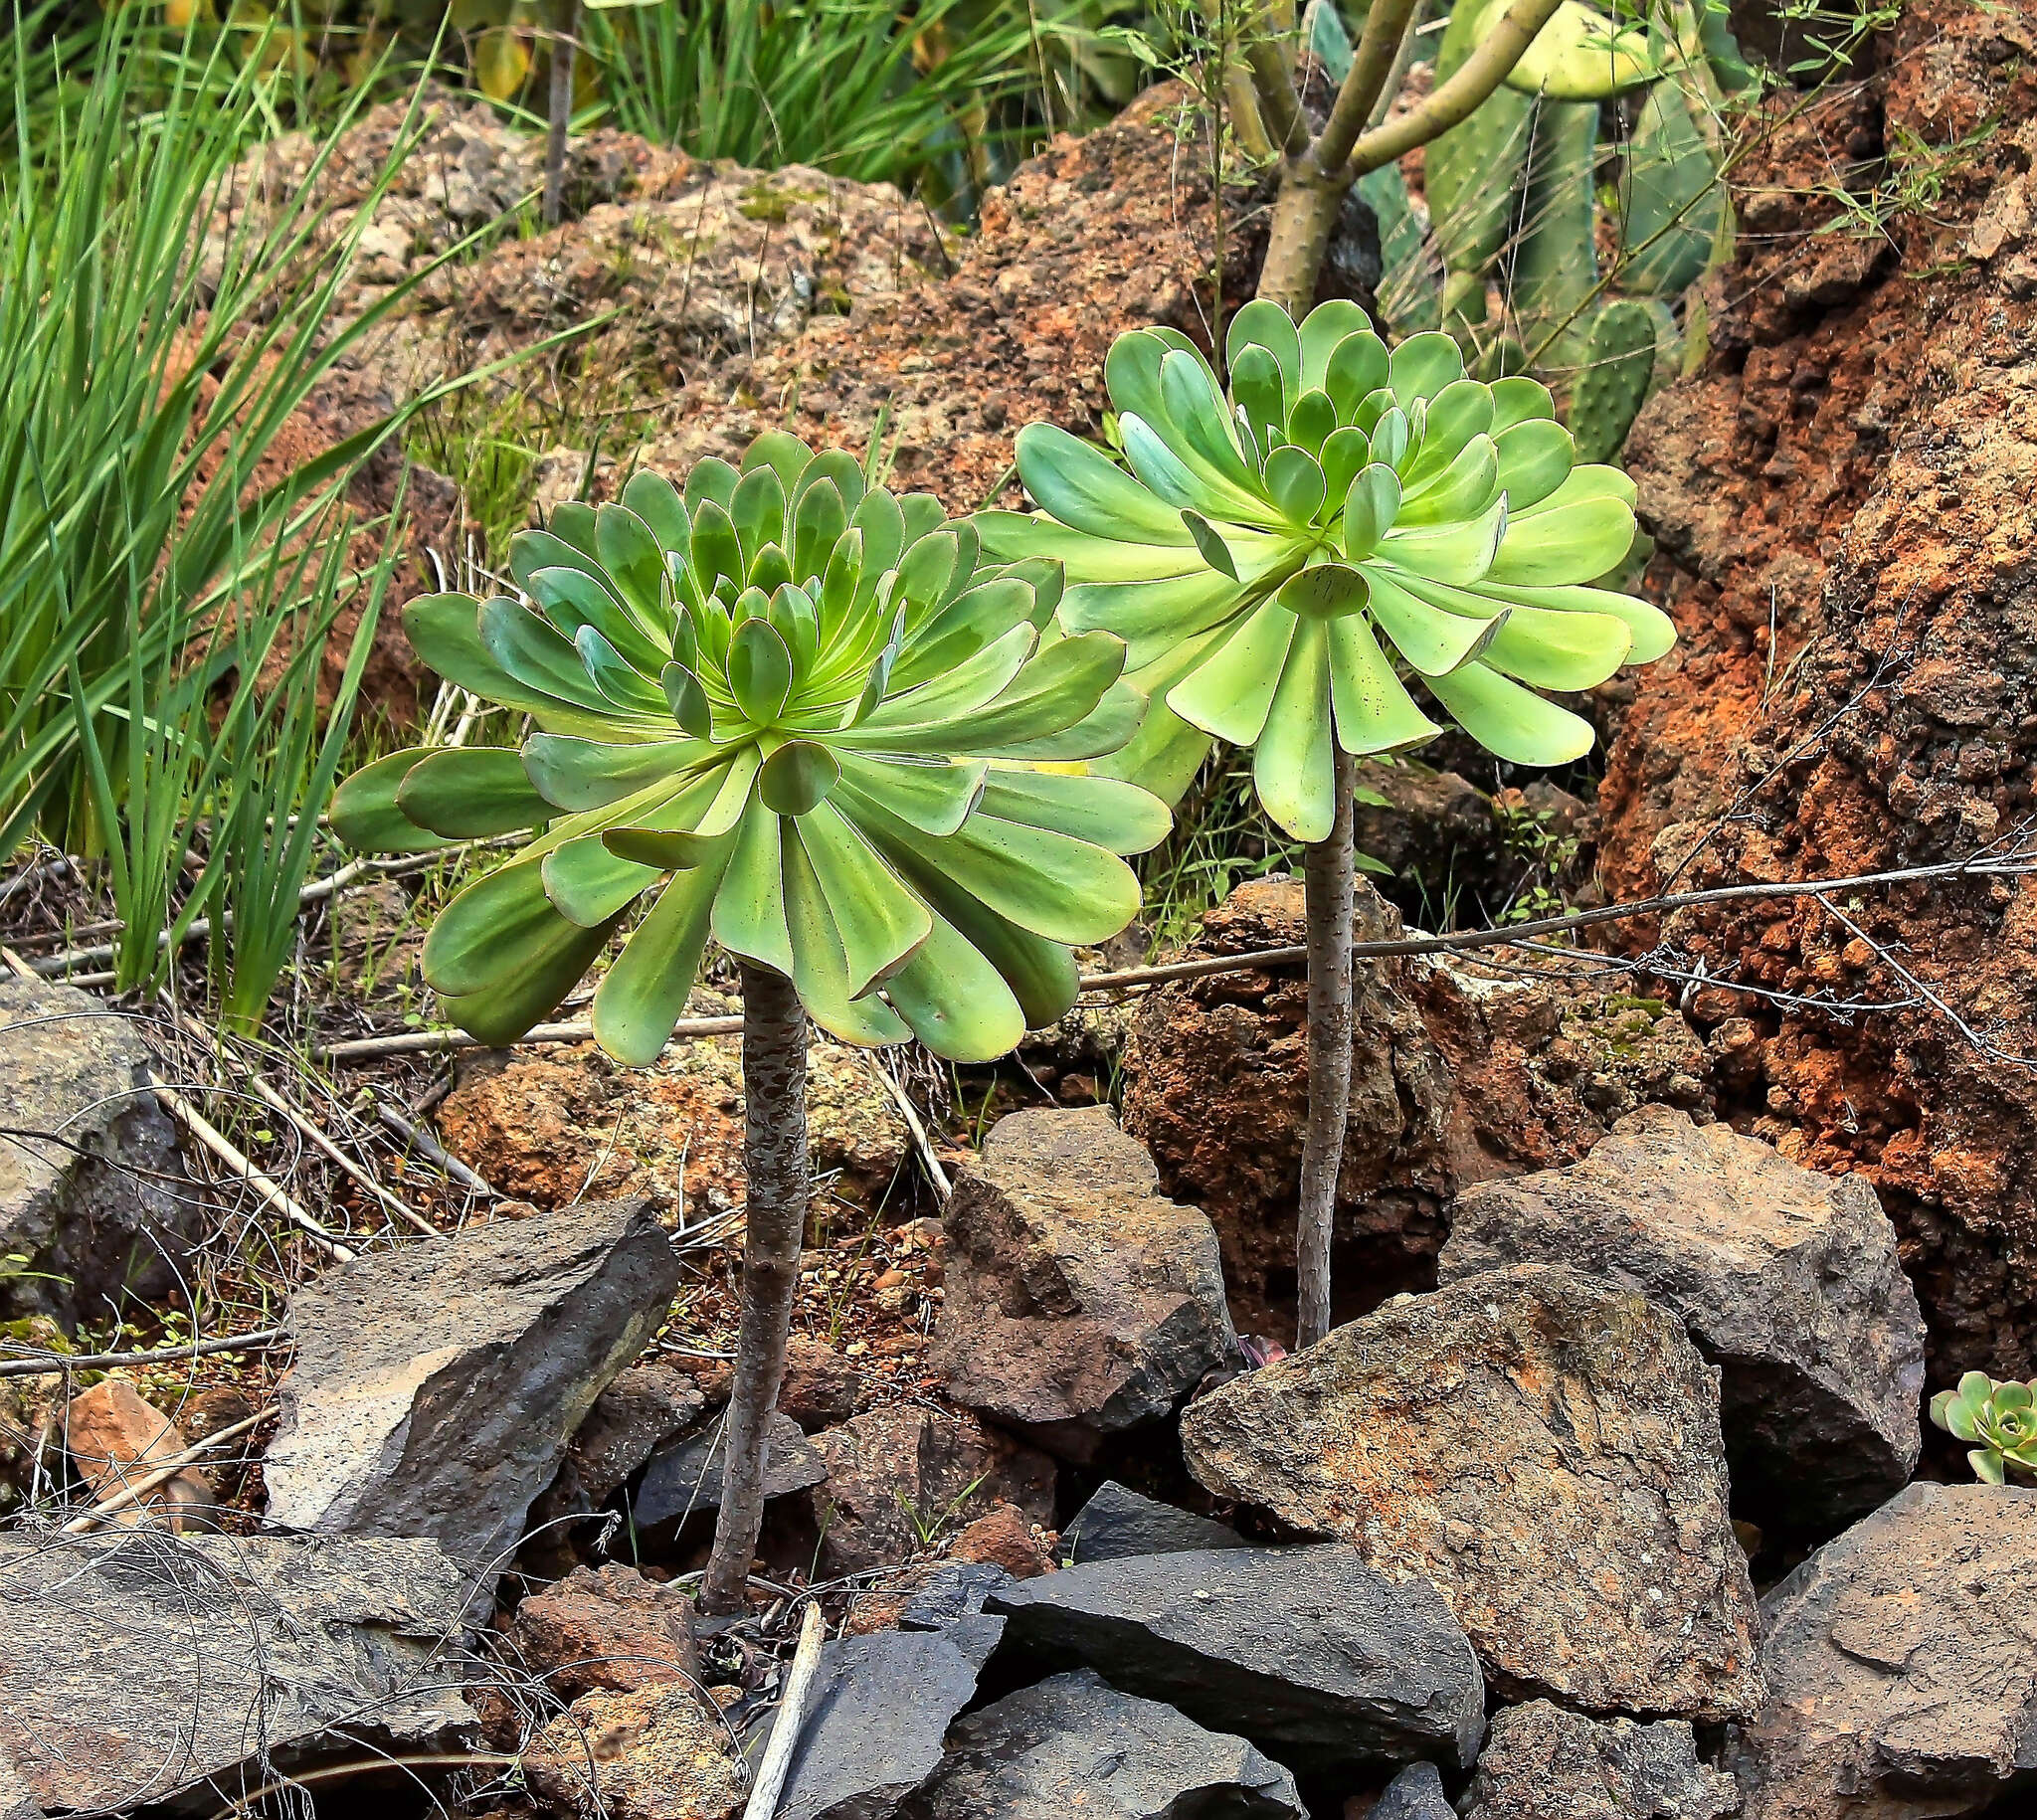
(436, 1387)
(1323, 1663)
(881, 1708)
(1787, 1280)
(1074, 1745)
(1902, 1664)
(1118, 1522)
(1541, 1447)
(138, 1668)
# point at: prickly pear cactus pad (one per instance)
(1347, 543)
(789, 711)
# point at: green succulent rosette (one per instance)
(1998, 1421)
(796, 714)
(1284, 561)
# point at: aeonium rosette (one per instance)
(795, 713)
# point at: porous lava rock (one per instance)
(1459, 1074)
(555, 1125)
(1080, 1302)
(898, 1477)
(656, 1753)
(606, 1627)
(1901, 1665)
(1789, 1281)
(1855, 468)
(1542, 1448)
(1542, 1762)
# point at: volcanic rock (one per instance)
(1079, 1302)
(899, 1476)
(1459, 1074)
(1541, 1447)
(1542, 1762)
(656, 1753)
(1902, 1668)
(1787, 1281)
(686, 1479)
(606, 1628)
(1117, 1522)
(880, 1707)
(90, 1180)
(1320, 1661)
(436, 1387)
(138, 1669)
(1075, 1743)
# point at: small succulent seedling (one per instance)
(1998, 1421)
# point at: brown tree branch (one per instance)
(1378, 46)
(1483, 71)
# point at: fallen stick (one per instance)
(921, 1142)
(195, 1122)
(161, 1475)
(333, 1154)
(792, 1713)
(200, 927)
(426, 1042)
(431, 1150)
(55, 1364)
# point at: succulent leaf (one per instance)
(798, 716)
(1998, 1421)
(1443, 520)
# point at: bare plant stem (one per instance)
(559, 113)
(775, 1158)
(1331, 879)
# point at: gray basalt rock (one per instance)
(1902, 1664)
(1416, 1793)
(1543, 1449)
(1323, 1663)
(686, 1479)
(1116, 1523)
(880, 1707)
(1542, 1762)
(1075, 1745)
(138, 1668)
(1787, 1280)
(436, 1387)
(90, 1183)
(1080, 1302)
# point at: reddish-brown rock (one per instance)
(1002, 1538)
(1856, 465)
(555, 1126)
(657, 1754)
(1459, 1075)
(821, 1386)
(901, 1478)
(1079, 1302)
(608, 1628)
(116, 1440)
